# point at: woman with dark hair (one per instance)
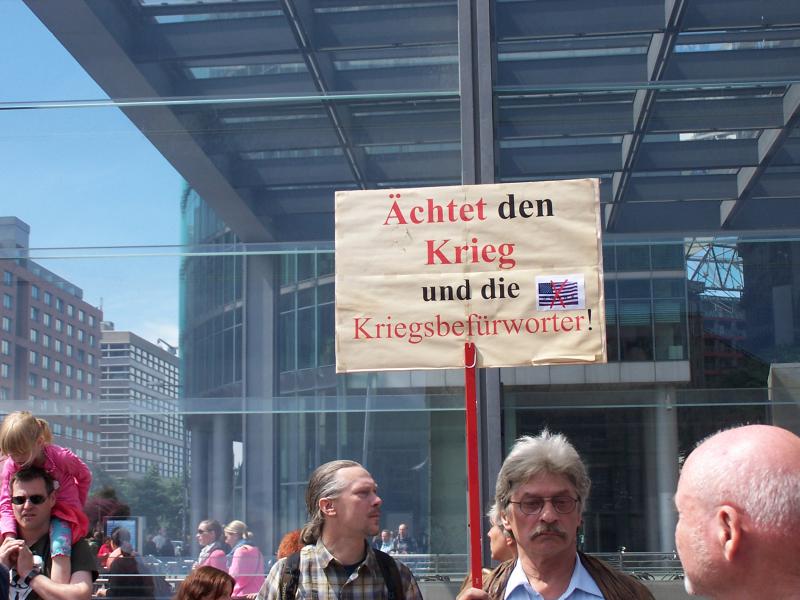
(125, 580)
(213, 549)
(206, 583)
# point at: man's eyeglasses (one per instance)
(534, 505)
(35, 499)
(202, 531)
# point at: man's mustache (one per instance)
(549, 528)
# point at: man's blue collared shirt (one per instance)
(581, 585)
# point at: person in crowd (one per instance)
(337, 562)
(34, 497)
(540, 494)
(404, 543)
(502, 547)
(385, 543)
(738, 503)
(290, 543)
(502, 544)
(206, 583)
(125, 580)
(160, 537)
(103, 552)
(167, 548)
(213, 550)
(149, 546)
(28, 441)
(95, 540)
(245, 562)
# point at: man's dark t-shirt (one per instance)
(81, 560)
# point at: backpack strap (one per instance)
(290, 578)
(391, 575)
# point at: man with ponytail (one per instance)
(337, 562)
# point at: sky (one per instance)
(86, 177)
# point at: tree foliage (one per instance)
(161, 501)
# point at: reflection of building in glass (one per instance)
(140, 428)
(49, 346)
(689, 125)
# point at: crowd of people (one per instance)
(738, 499)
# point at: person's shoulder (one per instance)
(607, 577)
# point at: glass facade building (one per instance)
(687, 113)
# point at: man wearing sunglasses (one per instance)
(540, 494)
(28, 555)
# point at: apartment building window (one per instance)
(34, 336)
(70, 330)
(45, 361)
(91, 321)
(81, 335)
(46, 318)
(59, 325)
(56, 387)
(34, 313)
(45, 340)
(81, 315)
(57, 345)
(48, 298)
(35, 292)
(59, 305)
(7, 301)
(5, 371)
(6, 324)
(8, 278)
(45, 383)
(68, 371)
(32, 380)
(5, 347)
(57, 366)
(70, 310)
(33, 357)
(69, 349)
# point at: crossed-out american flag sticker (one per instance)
(560, 292)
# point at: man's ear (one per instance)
(327, 507)
(728, 523)
(504, 520)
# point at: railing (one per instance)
(650, 566)
(647, 566)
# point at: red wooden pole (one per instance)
(473, 481)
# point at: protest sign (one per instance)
(514, 268)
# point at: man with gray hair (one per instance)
(337, 563)
(540, 495)
(738, 503)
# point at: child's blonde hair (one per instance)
(21, 433)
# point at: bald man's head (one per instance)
(738, 501)
(755, 467)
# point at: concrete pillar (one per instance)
(260, 472)
(199, 476)
(666, 446)
(221, 462)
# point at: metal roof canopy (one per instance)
(686, 109)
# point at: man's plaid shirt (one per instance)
(323, 578)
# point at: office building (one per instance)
(140, 427)
(49, 347)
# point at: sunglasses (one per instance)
(202, 531)
(35, 499)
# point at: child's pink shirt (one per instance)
(74, 480)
